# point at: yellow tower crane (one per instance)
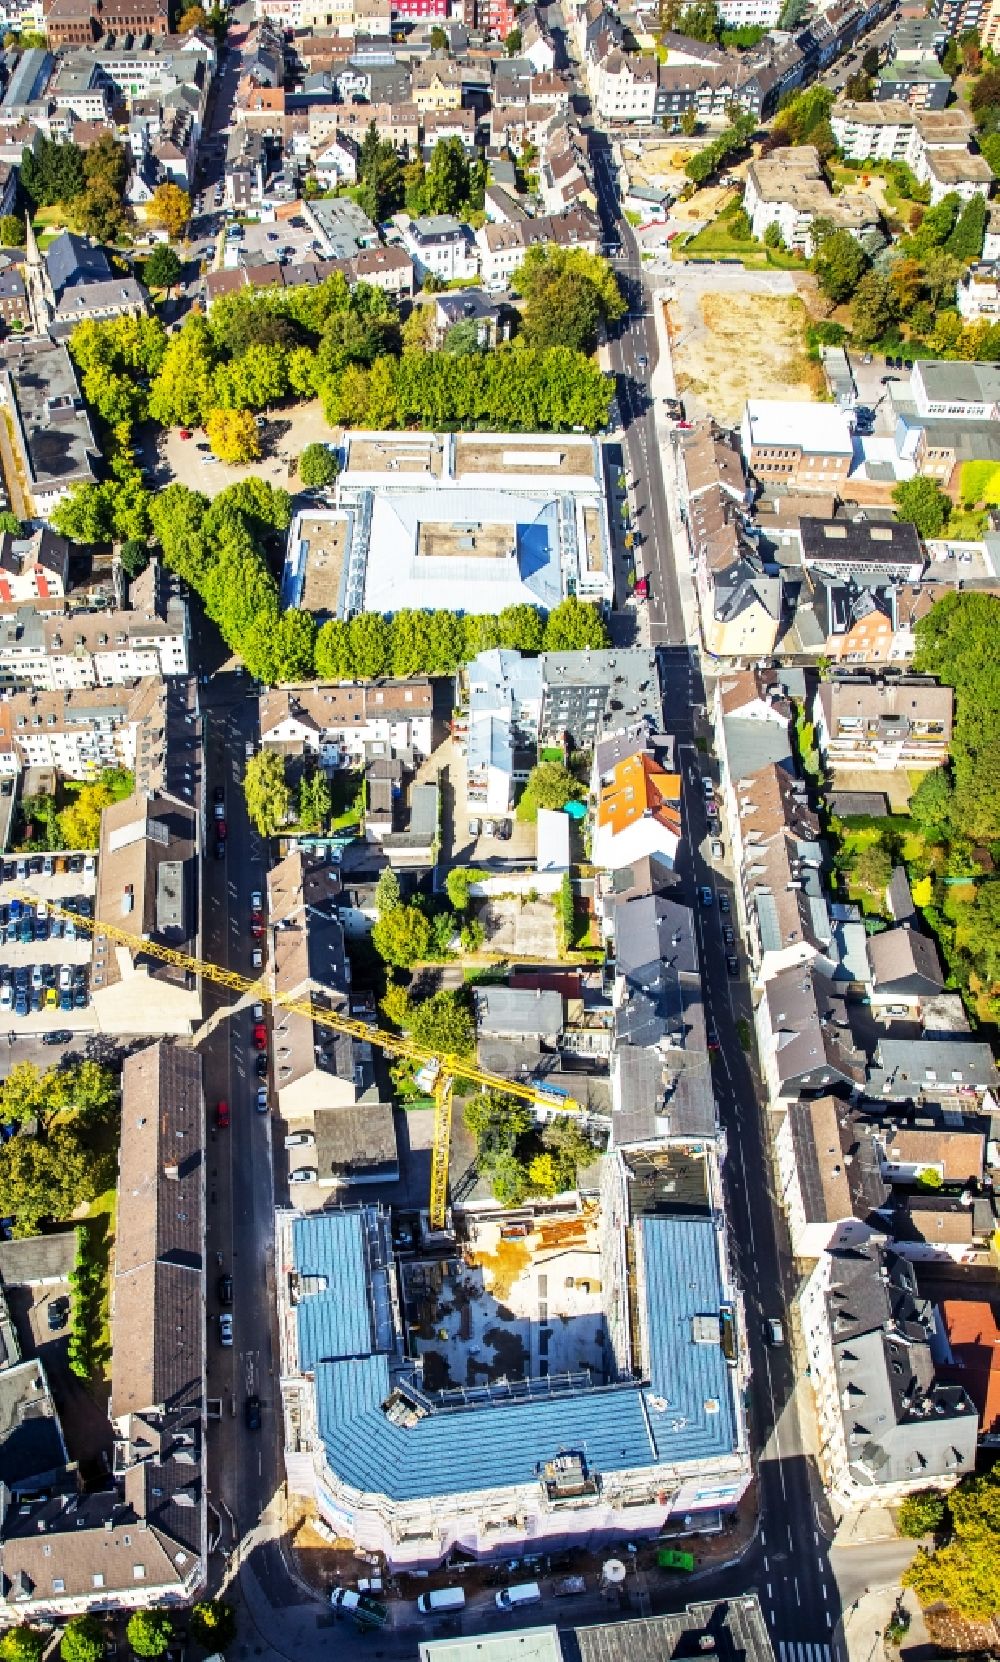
(438, 1071)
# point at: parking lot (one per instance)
(45, 973)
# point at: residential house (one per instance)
(492, 319)
(53, 647)
(80, 732)
(960, 173)
(437, 85)
(339, 726)
(861, 550)
(740, 600)
(831, 1186)
(969, 1355)
(516, 1028)
(866, 723)
(147, 885)
(638, 802)
(905, 969)
(389, 269)
(50, 427)
(440, 245)
(33, 567)
(780, 903)
(888, 1425)
(501, 735)
(805, 1041)
(502, 247)
(324, 1080)
(625, 88)
(661, 1077)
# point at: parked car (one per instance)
(59, 1035)
(262, 1104)
(56, 1312)
(775, 1332)
(226, 1330)
(225, 1289)
(729, 934)
(260, 1036)
(262, 1065)
(219, 795)
(723, 901)
(257, 1013)
(256, 901)
(251, 1413)
(222, 1115)
(706, 896)
(732, 963)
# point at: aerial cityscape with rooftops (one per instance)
(500, 804)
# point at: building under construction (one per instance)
(557, 1377)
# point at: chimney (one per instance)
(172, 1170)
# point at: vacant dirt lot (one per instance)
(520, 928)
(748, 346)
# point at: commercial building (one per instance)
(469, 522)
(404, 1465)
(807, 447)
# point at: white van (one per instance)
(512, 1598)
(446, 1598)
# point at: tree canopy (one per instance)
(268, 796)
(170, 208)
(318, 466)
(402, 936)
(149, 1632)
(550, 785)
(82, 1640)
(567, 294)
(964, 1572)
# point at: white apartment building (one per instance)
(749, 14)
(789, 190)
(886, 1426)
(65, 650)
(442, 245)
(625, 87)
(78, 733)
(954, 172)
(979, 293)
(872, 131)
(505, 706)
(338, 724)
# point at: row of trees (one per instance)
(435, 643)
(516, 388)
(149, 1633)
(711, 157)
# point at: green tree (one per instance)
(370, 645)
(922, 502)
(498, 1123)
(181, 394)
(281, 650)
(22, 1644)
(839, 264)
(871, 869)
(689, 123)
(82, 1640)
(149, 1632)
(964, 1573)
(84, 515)
(438, 39)
(447, 183)
(213, 1624)
(544, 1174)
(458, 884)
(509, 1178)
(12, 231)
(268, 797)
(966, 239)
(388, 895)
(699, 21)
(402, 937)
(382, 188)
(315, 802)
(574, 626)
(444, 1023)
(512, 42)
(550, 785)
(52, 172)
(318, 466)
(567, 293)
(922, 1514)
(874, 309)
(134, 556)
(932, 803)
(163, 268)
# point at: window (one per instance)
(97, 1579)
(138, 1572)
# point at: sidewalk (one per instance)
(663, 385)
(865, 1624)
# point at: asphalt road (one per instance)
(789, 1565)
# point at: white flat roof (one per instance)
(820, 427)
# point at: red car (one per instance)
(222, 1115)
(256, 925)
(260, 1036)
(220, 829)
(185, 432)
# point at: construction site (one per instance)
(517, 1302)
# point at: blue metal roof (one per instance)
(693, 1380)
(333, 1323)
(686, 1414)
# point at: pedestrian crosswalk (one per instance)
(794, 1652)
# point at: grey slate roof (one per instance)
(735, 1626)
(905, 961)
(72, 260)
